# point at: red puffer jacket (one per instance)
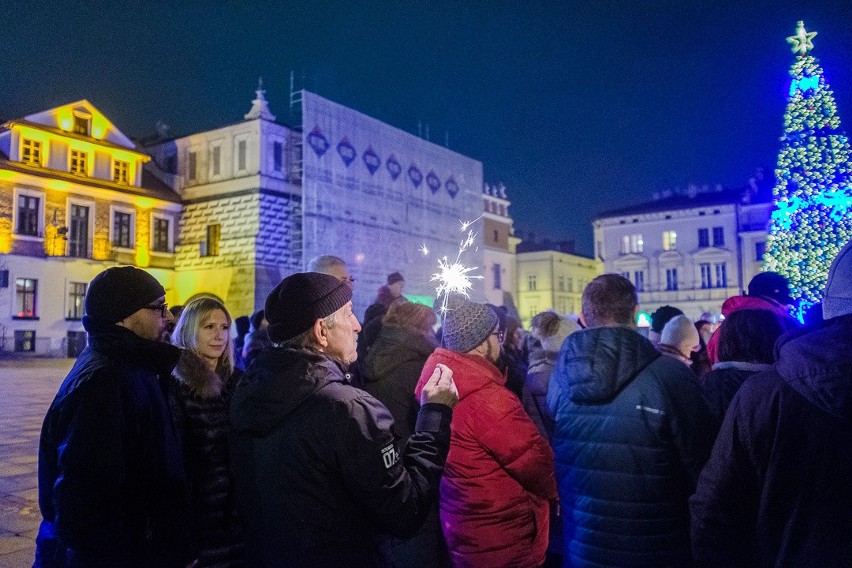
(499, 473)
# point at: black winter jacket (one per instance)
(776, 491)
(632, 434)
(203, 401)
(112, 484)
(320, 477)
(722, 383)
(392, 369)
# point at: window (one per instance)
(160, 235)
(706, 277)
(531, 282)
(215, 160)
(496, 236)
(718, 236)
(25, 297)
(190, 166)
(76, 299)
(632, 244)
(570, 284)
(214, 232)
(561, 283)
(120, 171)
(79, 162)
(669, 240)
(24, 341)
(277, 156)
(639, 280)
(241, 155)
(759, 251)
(703, 238)
(533, 310)
(28, 210)
(82, 124)
(122, 229)
(498, 277)
(78, 232)
(626, 275)
(31, 152)
(671, 278)
(721, 275)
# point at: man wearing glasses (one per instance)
(112, 486)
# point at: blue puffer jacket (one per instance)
(632, 434)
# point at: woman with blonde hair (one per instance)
(205, 379)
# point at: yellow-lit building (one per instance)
(551, 279)
(75, 198)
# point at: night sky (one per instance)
(577, 107)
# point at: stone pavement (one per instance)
(27, 387)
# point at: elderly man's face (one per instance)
(150, 322)
(342, 337)
(341, 272)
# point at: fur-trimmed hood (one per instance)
(192, 371)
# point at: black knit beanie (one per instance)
(119, 292)
(661, 317)
(300, 300)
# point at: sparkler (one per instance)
(454, 277)
(424, 249)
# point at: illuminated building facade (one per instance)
(691, 250)
(499, 244)
(75, 197)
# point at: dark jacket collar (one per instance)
(119, 343)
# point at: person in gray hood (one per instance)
(777, 491)
(321, 480)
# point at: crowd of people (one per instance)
(303, 436)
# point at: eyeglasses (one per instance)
(501, 335)
(162, 308)
(350, 280)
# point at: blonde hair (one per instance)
(191, 319)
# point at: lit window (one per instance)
(161, 235)
(25, 297)
(214, 232)
(669, 240)
(24, 340)
(121, 229)
(31, 152)
(76, 299)
(632, 244)
(721, 275)
(82, 124)
(120, 171)
(79, 162)
(706, 275)
(28, 209)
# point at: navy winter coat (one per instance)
(777, 491)
(321, 480)
(112, 484)
(632, 434)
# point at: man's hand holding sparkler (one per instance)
(440, 388)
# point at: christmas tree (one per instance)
(813, 196)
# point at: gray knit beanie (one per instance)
(467, 325)
(837, 300)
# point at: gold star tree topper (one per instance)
(802, 40)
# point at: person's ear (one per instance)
(320, 333)
(582, 319)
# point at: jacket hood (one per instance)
(735, 303)
(395, 347)
(817, 364)
(194, 372)
(596, 364)
(278, 382)
(470, 372)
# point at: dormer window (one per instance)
(120, 171)
(79, 162)
(82, 124)
(31, 152)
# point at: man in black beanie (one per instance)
(320, 478)
(112, 485)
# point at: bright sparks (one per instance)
(424, 250)
(454, 277)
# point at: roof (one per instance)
(759, 191)
(151, 186)
(68, 134)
